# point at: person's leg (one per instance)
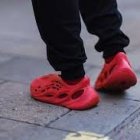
(59, 26)
(103, 19)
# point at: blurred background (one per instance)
(19, 34)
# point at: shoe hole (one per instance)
(63, 95)
(36, 90)
(56, 88)
(77, 94)
(49, 95)
(52, 87)
(48, 88)
(58, 82)
(43, 90)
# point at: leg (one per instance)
(103, 19)
(59, 26)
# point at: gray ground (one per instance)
(23, 57)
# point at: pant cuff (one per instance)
(110, 52)
(74, 73)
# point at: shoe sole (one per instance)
(91, 100)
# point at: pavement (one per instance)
(23, 57)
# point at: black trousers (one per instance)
(59, 25)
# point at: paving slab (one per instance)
(22, 36)
(102, 119)
(24, 69)
(12, 130)
(94, 58)
(93, 73)
(134, 58)
(16, 103)
(130, 131)
(131, 17)
(125, 4)
(130, 27)
(1, 81)
(4, 58)
(21, 46)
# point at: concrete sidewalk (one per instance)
(23, 57)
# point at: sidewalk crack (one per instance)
(124, 123)
(48, 125)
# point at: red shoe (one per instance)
(116, 74)
(52, 89)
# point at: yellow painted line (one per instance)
(85, 136)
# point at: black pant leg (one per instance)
(103, 19)
(59, 25)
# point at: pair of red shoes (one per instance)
(116, 74)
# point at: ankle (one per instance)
(72, 82)
(73, 73)
(110, 53)
(111, 57)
